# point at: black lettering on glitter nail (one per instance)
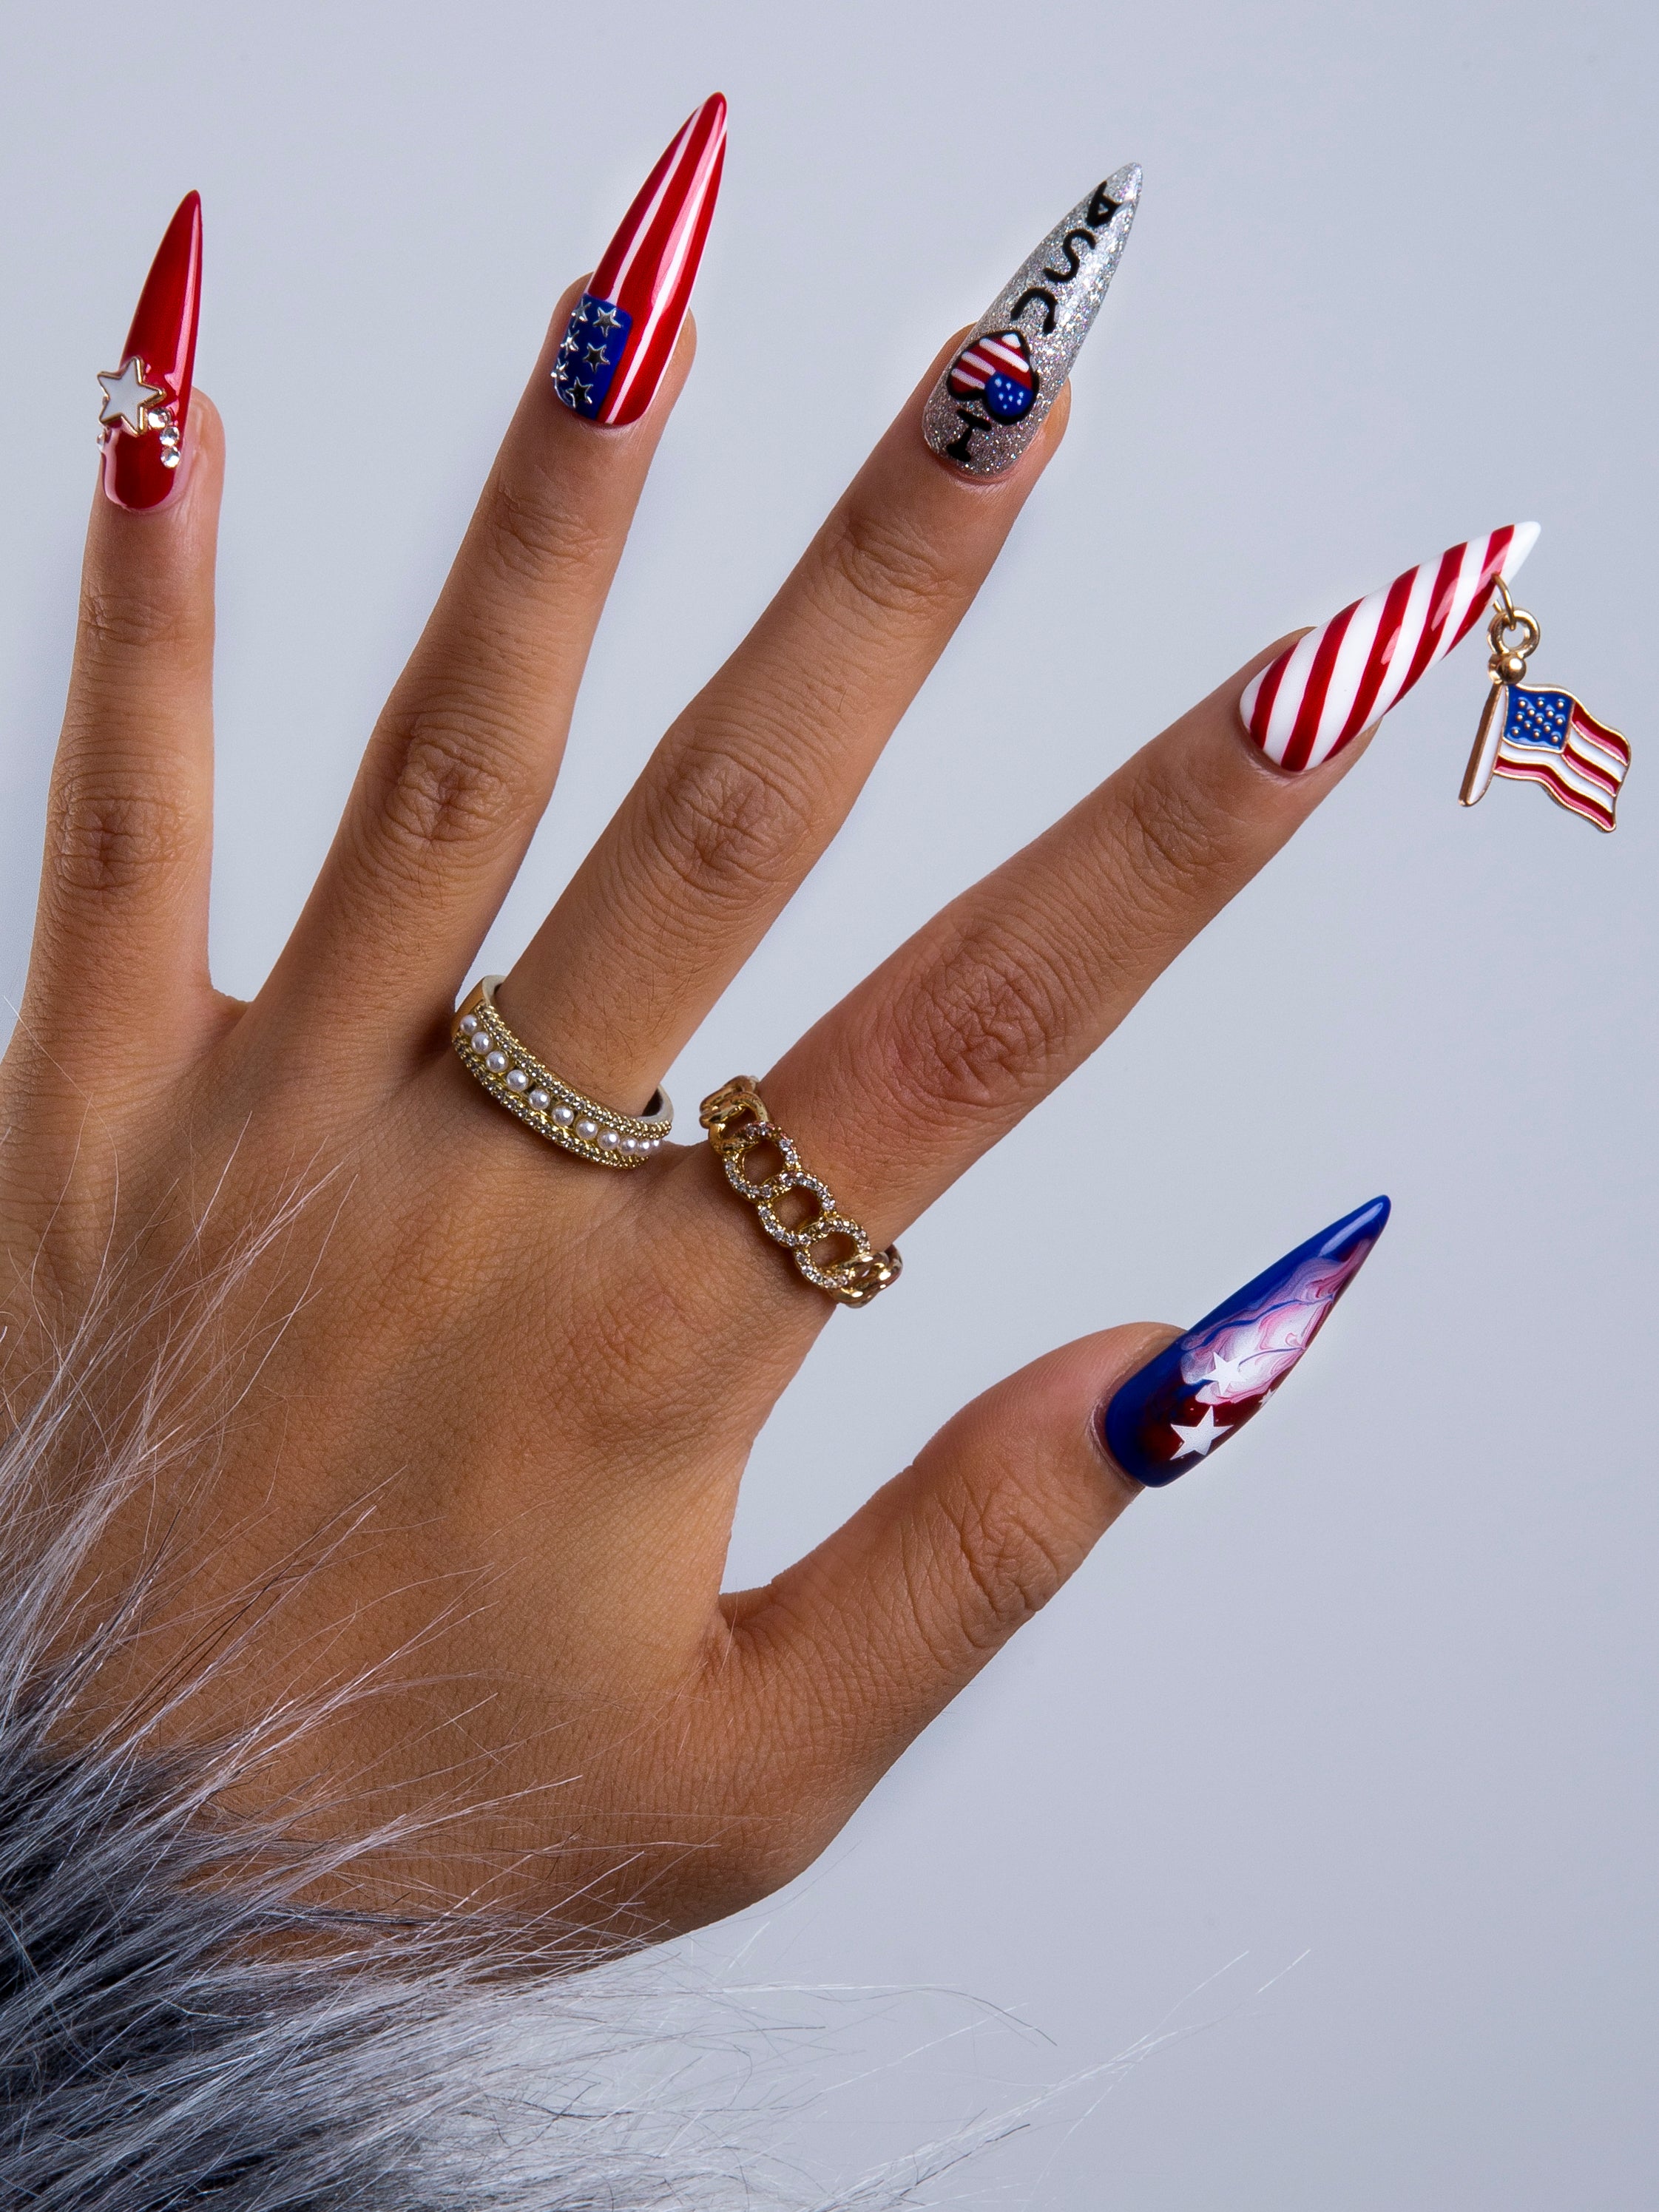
(1103, 207)
(961, 447)
(1049, 306)
(1068, 246)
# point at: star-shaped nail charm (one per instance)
(1196, 1441)
(606, 320)
(595, 356)
(126, 395)
(582, 390)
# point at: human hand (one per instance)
(494, 1400)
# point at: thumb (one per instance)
(863, 1641)
(857, 1645)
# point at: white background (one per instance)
(1371, 1694)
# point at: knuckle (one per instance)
(981, 1028)
(449, 780)
(881, 565)
(113, 832)
(1006, 1567)
(729, 824)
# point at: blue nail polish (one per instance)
(1179, 1406)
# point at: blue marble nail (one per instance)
(1177, 1408)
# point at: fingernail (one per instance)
(145, 403)
(621, 335)
(990, 403)
(1198, 1390)
(1317, 696)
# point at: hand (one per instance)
(443, 1404)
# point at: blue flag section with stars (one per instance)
(1548, 738)
(594, 343)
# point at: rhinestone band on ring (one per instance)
(565, 1117)
(737, 1121)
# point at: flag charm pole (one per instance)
(1508, 666)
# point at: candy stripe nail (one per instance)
(1200, 1389)
(623, 334)
(990, 402)
(145, 403)
(1317, 696)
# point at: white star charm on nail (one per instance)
(128, 396)
(1196, 1442)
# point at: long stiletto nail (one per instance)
(1315, 698)
(1205, 1385)
(989, 403)
(621, 335)
(146, 401)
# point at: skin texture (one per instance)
(494, 1402)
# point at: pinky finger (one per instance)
(858, 1645)
(122, 925)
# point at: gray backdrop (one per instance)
(1327, 1785)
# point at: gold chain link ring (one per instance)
(488, 1049)
(737, 1124)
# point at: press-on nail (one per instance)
(990, 403)
(1200, 1389)
(1318, 695)
(145, 403)
(621, 335)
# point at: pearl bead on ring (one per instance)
(515, 1079)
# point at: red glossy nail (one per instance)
(621, 335)
(147, 399)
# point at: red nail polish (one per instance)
(621, 335)
(145, 401)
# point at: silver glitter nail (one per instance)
(990, 403)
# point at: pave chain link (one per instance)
(737, 1121)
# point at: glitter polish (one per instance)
(991, 400)
(621, 336)
(1195, 1393)
(1313, 701)
(145, 403)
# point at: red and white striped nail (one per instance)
(622, 333)
(1305, 707)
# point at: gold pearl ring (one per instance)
(554, 1108)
